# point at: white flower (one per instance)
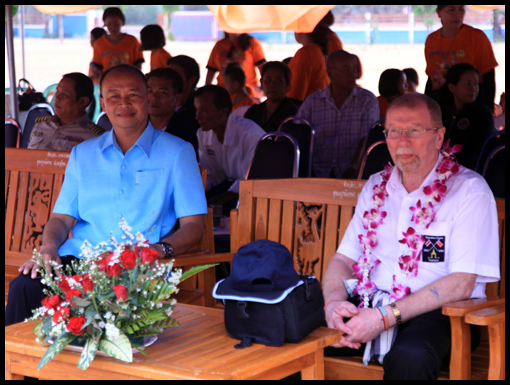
(112, 332)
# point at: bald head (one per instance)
(127, 68)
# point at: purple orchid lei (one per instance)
(423, 215)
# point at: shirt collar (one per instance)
(144, 141)
(395, 182)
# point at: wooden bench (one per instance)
(310, 217)
(33, 179)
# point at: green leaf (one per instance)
(89, 352)
(62, 341)
(194, 270)
(119, 348)
(80, 302)
(38, 329)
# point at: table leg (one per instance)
(8, 374)
(316, 371)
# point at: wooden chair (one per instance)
(310, 217)
(33, 179)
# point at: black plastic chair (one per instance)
(376, 133)
(275, 159)
(494, 171)
(104, 122)
(302, 130)
(492, 142)
(36, 111)
(12, 133)
(376, 157)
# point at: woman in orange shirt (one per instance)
(117, 47)
(457, 43)
(308, 66)
(241, 48)
(153, 39)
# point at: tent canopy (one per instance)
(61, 9)
(250, 18)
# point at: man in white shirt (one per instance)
(226, 143)
(428, 229)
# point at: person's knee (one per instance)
(412, 362)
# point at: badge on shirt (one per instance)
(211, 152)
(434, 248)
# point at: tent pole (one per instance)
(10, 58)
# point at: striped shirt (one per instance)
(338, 131)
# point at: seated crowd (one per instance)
(163, 125)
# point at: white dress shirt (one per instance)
(462, 238)
(231, 159)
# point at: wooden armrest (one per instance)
(201, 259)
(461, 308)
(489, 316)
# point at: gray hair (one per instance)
(413, 99)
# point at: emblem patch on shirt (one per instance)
(211, 152)
(433, 248)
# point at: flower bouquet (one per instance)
(111, 299)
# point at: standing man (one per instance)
(136, 172)
(424, 234)
(342, 113)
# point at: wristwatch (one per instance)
(168, 249)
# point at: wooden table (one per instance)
(199, 348)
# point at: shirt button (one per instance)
(121, 191)
(124, 167)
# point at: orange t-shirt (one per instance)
(470, 46)
(107, 54)
(249, 59)
(383, 106)
(334, 42)
(308, 68)
(159, 58)
(247, 101)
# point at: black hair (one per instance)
(97, 32)
(243, 41)
(320, 37)
(236, 73)
(221, 97)
(114, 11)
(279, 66)
(411, 75)
(453, 76)
(388, 82)
(83, 85)
(189, 66)
(152, 37)
(170, 74)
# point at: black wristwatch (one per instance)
(168, 249)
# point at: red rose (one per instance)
(87, 284)
(128, 259)
(102, 264)
(73, 292)
(149, 255)
(75, 324)
(113, 270)
(121, 292)
(64, 312)
(64, 285)
(52, 302)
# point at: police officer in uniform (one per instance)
(70, 125)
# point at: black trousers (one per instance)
(421, 348)
(26, 294)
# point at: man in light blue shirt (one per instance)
(146, 176)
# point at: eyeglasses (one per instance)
(412, 133)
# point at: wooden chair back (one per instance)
(308, 216)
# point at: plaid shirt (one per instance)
(338, 132)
